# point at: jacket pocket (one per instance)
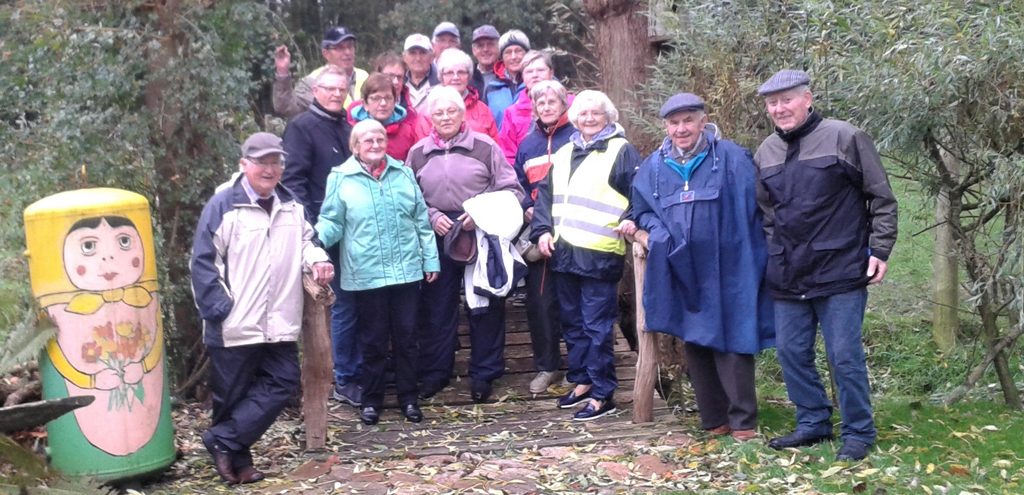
(841, 258)
(776, 269)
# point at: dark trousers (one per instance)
(251, 384)
(542, 316)
(343, 328)
(438, 332)
(588, 310)
(387, 320)
(724, 385)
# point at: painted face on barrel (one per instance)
(103, 257)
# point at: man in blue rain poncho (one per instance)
(695, 195)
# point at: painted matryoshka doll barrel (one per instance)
(93, 270)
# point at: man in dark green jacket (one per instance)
(830, 218)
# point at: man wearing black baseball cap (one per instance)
(339, 49)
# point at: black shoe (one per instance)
(570, 399)
(412, 413)
(430, 389)
(480, 391)
(369, 415)
(589, 412)
(798, 438)
(222, 458)
(349, 393)
(853, 450)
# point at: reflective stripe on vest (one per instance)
(585, 208)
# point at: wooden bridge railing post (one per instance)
(317, 361)
(647, 343)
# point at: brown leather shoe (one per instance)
(249, 474)
(719, 430)
(221, 458)
(744, 435)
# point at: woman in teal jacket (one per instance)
(375, 211)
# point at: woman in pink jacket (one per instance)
(456, 70)
(517, 121)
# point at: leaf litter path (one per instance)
(520, 444)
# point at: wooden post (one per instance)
(317, 362)
(647, 359)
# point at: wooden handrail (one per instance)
(317, 361)
(647, 342)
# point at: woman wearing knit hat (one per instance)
(502, 91)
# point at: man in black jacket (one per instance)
(830, 217)
(316, 141)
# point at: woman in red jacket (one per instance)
(456, 70)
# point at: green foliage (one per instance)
(938, 84)
(24, 341)
(131, 95)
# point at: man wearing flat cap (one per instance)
(338, 49)
(830, 218)
(251, 247)
(696, 197)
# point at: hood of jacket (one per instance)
(357, 112)
(609, 131)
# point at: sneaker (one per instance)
(519, 300)
(589, 412)
(541, 382)
(570, 399)
(852, 450)
(349, 393)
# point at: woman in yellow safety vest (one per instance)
(580, 218)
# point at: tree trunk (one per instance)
(946, 279)
(990, 331)
(623, 50)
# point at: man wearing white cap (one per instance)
(339, 49)
(830, 219)
(421, 74)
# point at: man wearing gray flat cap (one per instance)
(696, 197)
(830, 218)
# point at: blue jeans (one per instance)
(589, 308)
(343, 329)
(841, 317)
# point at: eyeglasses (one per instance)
(334, 89)
(378, 99)
(450, 113)
(373, 140)
(452, 73)
(266, 162)
(395, 77)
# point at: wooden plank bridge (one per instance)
(516, 419)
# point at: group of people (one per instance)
(435, 182)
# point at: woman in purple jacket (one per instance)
(453, 164)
